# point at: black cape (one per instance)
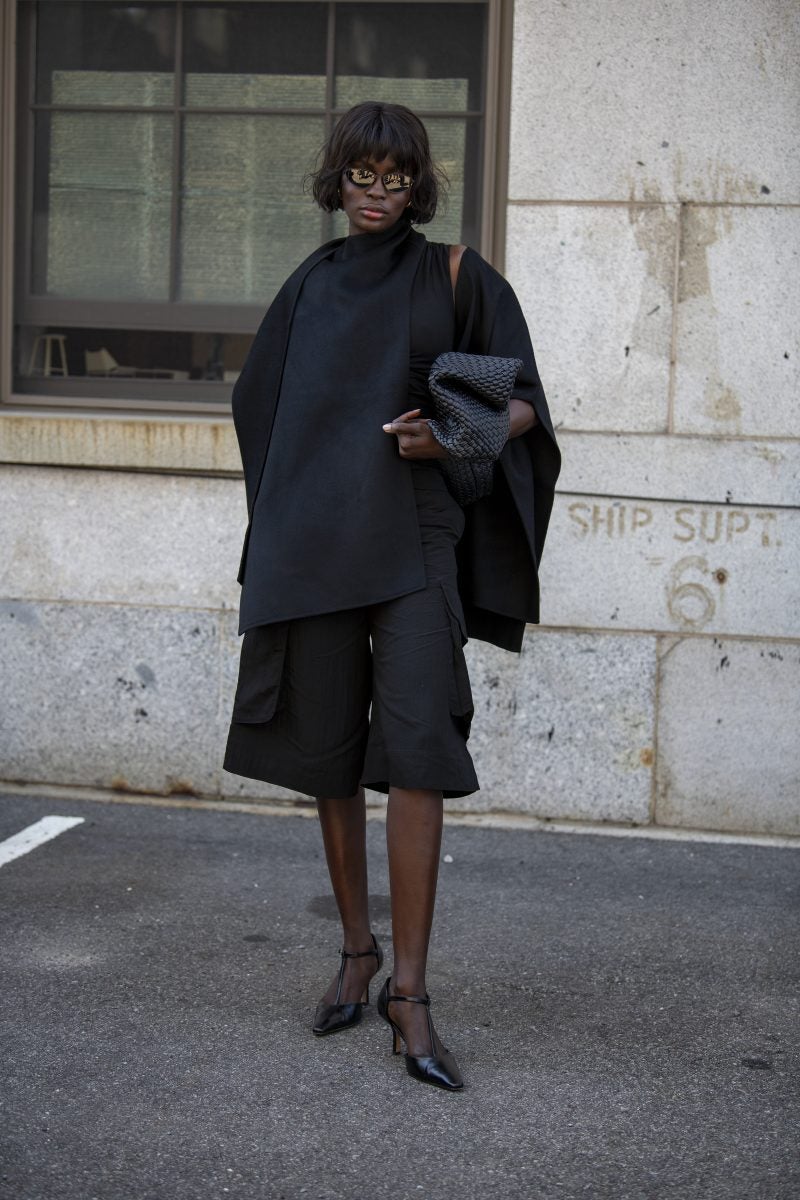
(505, 532)
(335, 521)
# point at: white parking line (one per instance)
(33, 836)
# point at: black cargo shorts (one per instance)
(378, 696)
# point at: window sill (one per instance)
(193, 443)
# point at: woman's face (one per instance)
(370, 209)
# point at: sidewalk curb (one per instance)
(377, 812)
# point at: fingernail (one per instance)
(387, 429)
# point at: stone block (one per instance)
(566, 729)
(738, 322)
(672, 567)
(595, 284)
(728, 745)
(695, 100)
(111, 697)
(692, 469)
(120, 537)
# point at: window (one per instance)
(162, 151)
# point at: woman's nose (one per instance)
(376, 188)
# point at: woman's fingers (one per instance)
(392, 426)
(414, 437)
(410, 434)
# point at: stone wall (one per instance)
(653, 238)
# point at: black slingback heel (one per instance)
(441, 1070)
(330, 1018)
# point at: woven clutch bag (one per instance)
(470, 399)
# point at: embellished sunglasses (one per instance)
(393, 181)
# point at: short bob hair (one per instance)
(373, 131)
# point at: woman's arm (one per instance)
(523, 417)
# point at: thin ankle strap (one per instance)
(361, 953)
(411, 999)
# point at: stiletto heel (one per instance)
(330, 1018)
(441, 1069)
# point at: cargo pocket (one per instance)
(461, 705)
(260, 673)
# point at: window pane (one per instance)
(448, 146)
(428, 56)
(102, 205)
(79, 43)
(255, 55)
(245, 220)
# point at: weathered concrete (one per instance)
(696, 100)
(174, 541)
(738, 333)
(595, 284)
(113, 537)
(110, 696)
(730, 471)
(729, 751)
(636, 564)
(565, 729)
(146, 441)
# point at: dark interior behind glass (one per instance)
(163, 150)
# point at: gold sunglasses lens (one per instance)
(360, 177)
(395, 182)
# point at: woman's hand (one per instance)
(414, 438)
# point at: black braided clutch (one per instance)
(470, 396)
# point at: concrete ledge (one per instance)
(148, 442)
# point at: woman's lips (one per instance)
(373, 213)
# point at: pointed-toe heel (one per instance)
(330, 1018)
(440, 1070)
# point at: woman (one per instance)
(353, 596)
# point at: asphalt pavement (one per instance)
(624, 1011)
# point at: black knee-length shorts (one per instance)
(378, 696)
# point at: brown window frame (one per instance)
(17, 195)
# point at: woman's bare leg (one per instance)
(414, 839)
(344, 824)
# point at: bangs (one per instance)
(380, 139)
(372, 132)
